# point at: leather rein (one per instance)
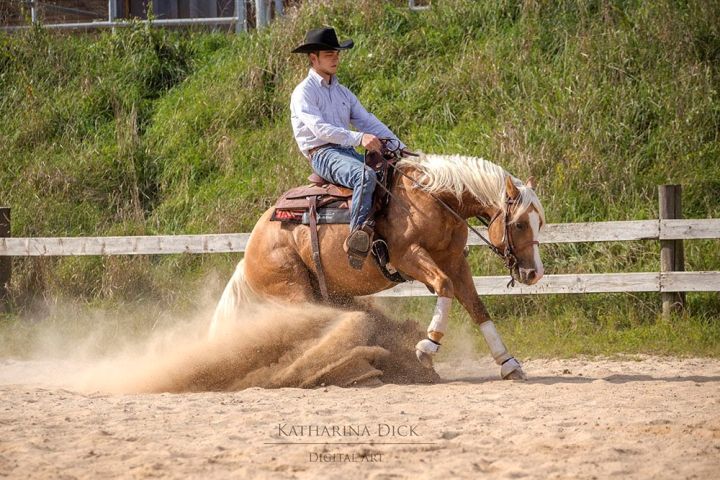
(508, 254)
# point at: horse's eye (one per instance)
(520, 226)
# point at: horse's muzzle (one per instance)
(529, 276)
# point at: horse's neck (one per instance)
(470, 207)
(467, 207)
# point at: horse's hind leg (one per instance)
(273, 267)
(341, 357)
(280, 275)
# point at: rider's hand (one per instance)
(371, 142)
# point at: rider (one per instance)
(321, 111)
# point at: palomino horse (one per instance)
(426, 242)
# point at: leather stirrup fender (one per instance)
(316, 248)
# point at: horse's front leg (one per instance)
(466, 294)
(418, 264)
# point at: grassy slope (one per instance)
(146, 131)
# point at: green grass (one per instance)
(147, 131)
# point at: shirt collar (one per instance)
(319, 80)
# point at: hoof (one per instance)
(511, 370)
(516, 375)
(424, 358)
(425, 349)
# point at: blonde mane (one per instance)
(481, 178)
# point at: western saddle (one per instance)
(322, 202)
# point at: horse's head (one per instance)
(516, 231)
(478, 185)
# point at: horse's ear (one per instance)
(531, 183)
(510, 187)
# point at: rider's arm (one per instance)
(367, 122)
(309, 114)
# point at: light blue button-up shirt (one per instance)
(322, 112)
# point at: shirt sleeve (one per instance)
(367, 122)
(310, 115)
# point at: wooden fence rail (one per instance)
(670, 230)
(236, 242)
(489, 285)
(581, 283)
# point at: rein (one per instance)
(509, 254)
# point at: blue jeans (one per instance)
(344, 166)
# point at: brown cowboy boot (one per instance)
(357, 245)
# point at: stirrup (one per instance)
(357, 245)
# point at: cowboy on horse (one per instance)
(421, 220)
(322, 111)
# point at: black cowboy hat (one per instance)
(322, 39)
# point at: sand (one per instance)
(368, 409)
(648, 417)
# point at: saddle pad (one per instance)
(324, 216)
(329, 215)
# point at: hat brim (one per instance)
(315, 47)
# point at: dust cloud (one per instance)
(269, 346)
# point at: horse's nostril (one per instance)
(531, 275)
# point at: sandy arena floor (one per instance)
(647, 417)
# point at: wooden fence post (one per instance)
(5, 262)
(672, 253)
(261, 14)
(241, 14)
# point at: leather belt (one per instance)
(312, 151)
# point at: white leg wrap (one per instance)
(497, 347)
(441, 315)
(425, 349)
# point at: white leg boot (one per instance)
(510, 368)
(427, 348)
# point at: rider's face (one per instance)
(326, 61)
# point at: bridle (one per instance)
(509, 253)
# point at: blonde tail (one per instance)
(237, 293)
